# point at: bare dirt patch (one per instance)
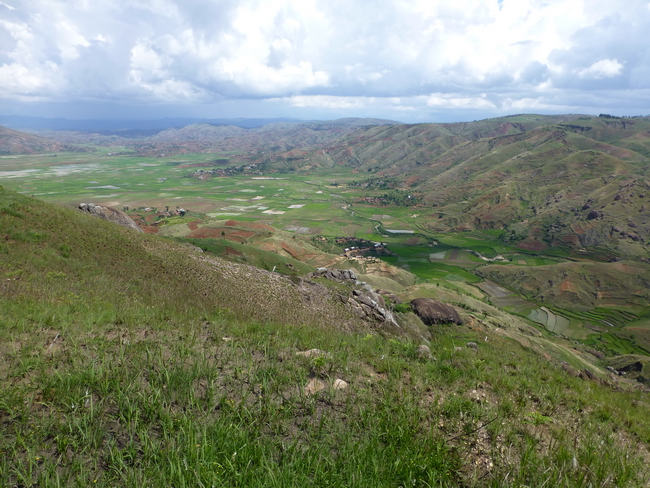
(243, 233)
(531, 245)
(248, 225)
(232, 252)
(295, 253)
(568, 285)
(626, 268)
(206, 233)
(253, 225)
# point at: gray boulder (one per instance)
(111, 214)
(335, 274)
(433, 312)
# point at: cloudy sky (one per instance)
(408, 60)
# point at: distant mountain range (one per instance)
(136, 128)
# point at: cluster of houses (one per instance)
(247, 169)
(362, 247)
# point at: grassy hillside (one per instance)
(132, 278)
(128, 360)
(567, 181)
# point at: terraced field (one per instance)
(553, 322)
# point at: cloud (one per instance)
(605, 68)
(431, 55)
(456, 100)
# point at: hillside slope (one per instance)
(132, 275)
(128, 360)
(16, 142)
(566, 181)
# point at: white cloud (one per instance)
(326, 101)
(431, 54)
(455, 100)
(605, 68)
(17, 81)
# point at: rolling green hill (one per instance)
(561, 181)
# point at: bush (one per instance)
(402, 308)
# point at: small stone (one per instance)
(569, 369)
(477, 396)
(587, 374)
(472, 345)
(314, 386)
(339, 384)
(423, 352)
(596, 353)
(312, 353)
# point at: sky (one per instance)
(406, 60)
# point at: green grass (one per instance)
(129, 360)
(153, 416)
(615, 345)
(416, 260)
(178, 407)
(267, 260)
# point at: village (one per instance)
(247, 169)
(360, 247)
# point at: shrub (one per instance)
(402, 308)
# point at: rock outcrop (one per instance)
(363, 300)
(335, 274)
(433, 312)
(111, 214)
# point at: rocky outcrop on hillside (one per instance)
(433, 312)
(632, 366)
(111, 214)
(363, 300)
